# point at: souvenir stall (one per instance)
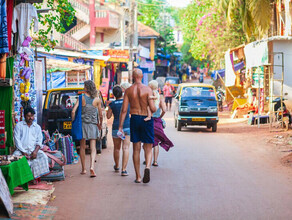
(17, 85)
(147, 66)
(116, 67)
(66, 74)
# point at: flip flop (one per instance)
(146, 178)
(92, 173)
(136, 181)
(116, 169)
(124, 173)
(155, 164)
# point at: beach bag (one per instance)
(56, 159)
(54, 175)
(76, 130)
(48, 141)
(66, 146)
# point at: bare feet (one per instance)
(92, 173)
(148, 118)
(83, 172)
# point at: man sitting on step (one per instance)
(28, 140)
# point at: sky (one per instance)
(179, 3)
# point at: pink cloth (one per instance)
(159, 136)
(167, 91)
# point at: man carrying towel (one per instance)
(141, 131)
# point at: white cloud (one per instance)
(179, 3)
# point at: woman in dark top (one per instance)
(115, 109)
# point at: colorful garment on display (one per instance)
(3, 28)
(30, 85)
(10, 5)
(66, 146)
(24, 13)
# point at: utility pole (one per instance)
(131, 37)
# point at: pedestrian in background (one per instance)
(168, 92)
(125, 85)
(91, 109)
(159, 136)
(114, 108)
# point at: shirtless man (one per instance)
(138, 96)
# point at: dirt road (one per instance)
(226, 175)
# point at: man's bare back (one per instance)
(141, 131)
(138, 95)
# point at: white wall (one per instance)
(284, 46)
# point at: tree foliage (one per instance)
(157, 15)
(60, 11)
(255, 15)
(208, 33)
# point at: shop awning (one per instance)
(69, 53)
(221, 72)
(64, 66)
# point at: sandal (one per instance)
(136, 181)
(116, 169)
(92, 173)
(155, 164)
(146, 178)
(124, 173)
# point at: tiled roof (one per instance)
(146, 31)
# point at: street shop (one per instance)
(145, 63)
(254, 76)
(116, 69)
(66, 74)
(94, 59)
(21, 77)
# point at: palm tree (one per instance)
(255, 15)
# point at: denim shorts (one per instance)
(126, 132)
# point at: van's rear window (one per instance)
(63, 99)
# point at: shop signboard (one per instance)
(150, 65)
(125, 77)
(104, 88)
(144, 52)
(117, 55)
(2, 129)
(75, 79)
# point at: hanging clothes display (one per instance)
(3, 28)
(9, 21)
(24, 13)
(6, 102)
(229, 70)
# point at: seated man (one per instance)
(28, 140)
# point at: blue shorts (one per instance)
(141, 131)
(126, 132)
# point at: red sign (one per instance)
(104, 88)
(2, 129)
(117, 55)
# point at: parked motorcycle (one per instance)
(286, 114)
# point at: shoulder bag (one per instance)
(76, 130)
